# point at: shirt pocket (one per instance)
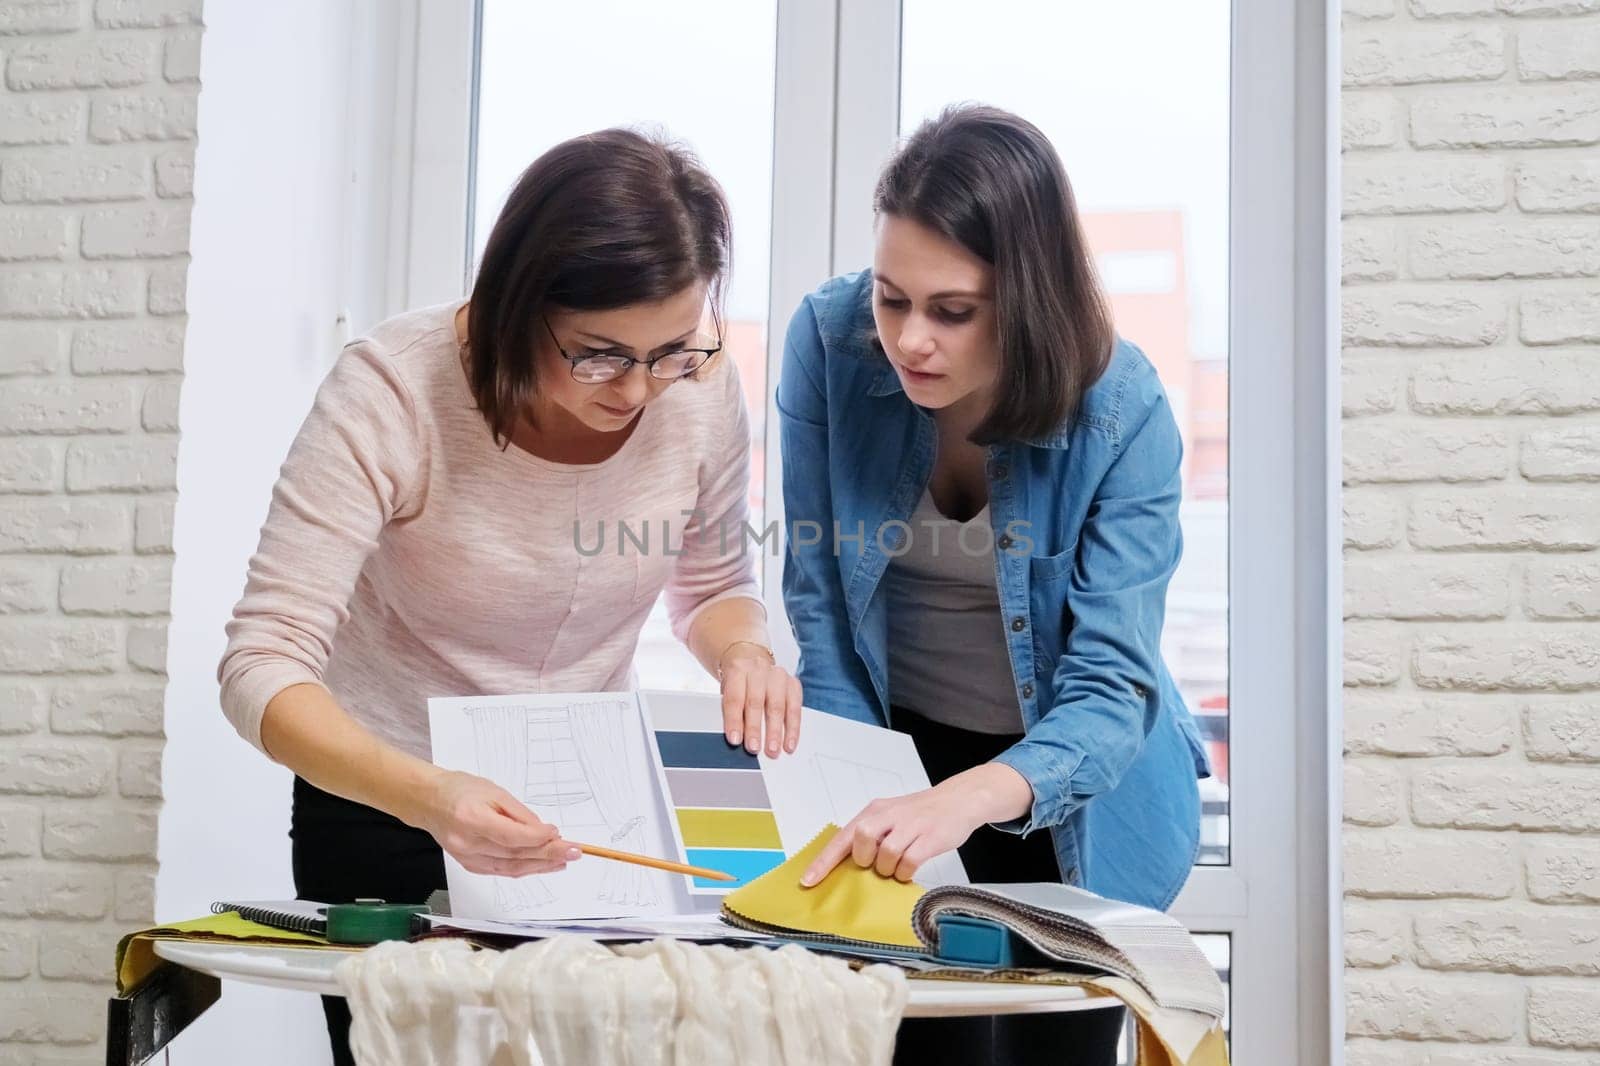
(1049, 577)
(1048, 569)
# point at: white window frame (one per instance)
(836, 117)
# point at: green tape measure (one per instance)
(368, 921)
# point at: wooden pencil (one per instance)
(654, 863)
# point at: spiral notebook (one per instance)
(295, 915)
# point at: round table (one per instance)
(306, 970)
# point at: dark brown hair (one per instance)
(601, 221)
(992, 183)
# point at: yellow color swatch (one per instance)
(852, 902)
(705, 827)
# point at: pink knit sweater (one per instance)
(405, 555)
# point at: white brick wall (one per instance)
(1472, 531)
(97, 122)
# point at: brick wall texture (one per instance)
(97, 129)
(1471, 365)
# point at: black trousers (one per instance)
(1084, 1038)
(344, 851)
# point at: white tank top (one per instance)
(947, 640)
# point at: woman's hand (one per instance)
(760, 700)
(488, 830)
(896, 836)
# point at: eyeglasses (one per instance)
(596, 368)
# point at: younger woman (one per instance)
(996, 476)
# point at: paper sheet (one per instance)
(693, 926)
(651, 773)
(578, 761)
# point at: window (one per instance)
(1150, 173)
(1172, 119)
(544, 76)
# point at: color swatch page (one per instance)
(745, 814)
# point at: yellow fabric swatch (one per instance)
(1212, 1051)
(136, 957)
(851, 902)
(706, 827)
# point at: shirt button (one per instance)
(1004, 541)
(1018, 624)
(1027, 692)
(1000, 472)
(1138, 690)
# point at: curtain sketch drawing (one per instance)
(573, 767)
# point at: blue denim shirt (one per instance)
(1086, 534)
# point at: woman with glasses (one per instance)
(434, 527)
(1014, 466)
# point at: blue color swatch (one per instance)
(746, 864)
(705, 751)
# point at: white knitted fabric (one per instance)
(423, 1005)
(568, 1001)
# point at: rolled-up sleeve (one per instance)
(716, 561)
(352, 468)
